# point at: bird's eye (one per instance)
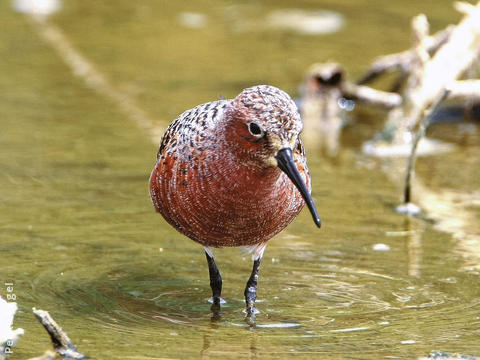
(255, 130)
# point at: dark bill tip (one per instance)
(287, 165)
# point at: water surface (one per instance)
(79, 236)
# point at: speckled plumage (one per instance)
(213, 181)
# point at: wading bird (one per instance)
(234, 173)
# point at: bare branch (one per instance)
(60, 340)
(402, 61)
(372, 96)
(464, 7)
(418, 136)
(466, 89)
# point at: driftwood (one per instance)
(418, 136)
(60, 340)
(465, 90)
(434, 67)
(404, 60)
(435, 64)
(63, 346)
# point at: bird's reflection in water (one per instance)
(211, 332)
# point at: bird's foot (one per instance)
(217, 300)
(216, 308)
(251, 310)
(250, 314)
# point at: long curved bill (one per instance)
(287, 165)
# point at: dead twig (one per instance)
(403, 61)
(366, 94)
(60, 340)
(465, 89)
(418, 136)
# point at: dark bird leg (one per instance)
(215, 283)
(251, 290)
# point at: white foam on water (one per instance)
(37, 7)
(381, 247)
(306, 22)
(350, 329)
(192, 20)
(425, 147)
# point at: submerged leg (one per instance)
(215, 281)
(251, 289)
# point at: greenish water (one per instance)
(79, 236)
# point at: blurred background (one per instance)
(86, 90)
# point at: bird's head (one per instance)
(262, 129)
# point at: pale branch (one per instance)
(60, 340)
(371, 96)
(464, 89)
(421, 30)
(429, 75)
(464, 7)
(403, 61)
(418, 136)
(450, 61)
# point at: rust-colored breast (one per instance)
(223, 204)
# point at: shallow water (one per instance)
(79, 236)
